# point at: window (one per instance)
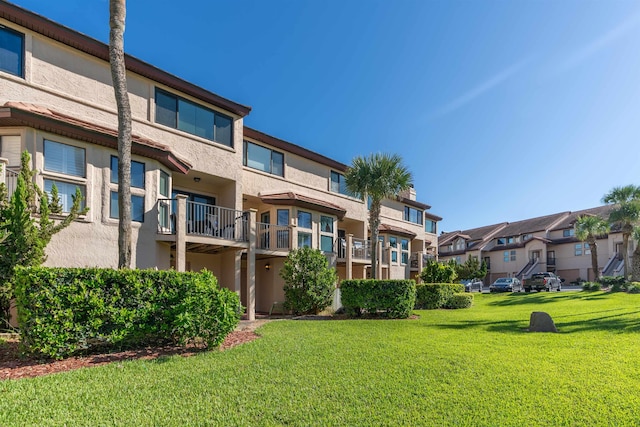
(413, 215)
(404, 246)
(137, 207)
(11, 149)
(164, 184)
(263, 159)
(137, 173)
(178, 113)
(304, 219)
(339, 184)
(501, 240)
(283, 217)
(430, 226)
(578, 249)
(326, 233)
(66, 192)
(11, 52)
(393, 242)
(513, 256)
(63, 158)
(394, 256)
(568, 233)
(526, 237)
(587, 249)
(505, 256)
(510, 240)
(458, 259)
(509, 256)
(460, 245)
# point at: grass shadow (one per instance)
(519, 298)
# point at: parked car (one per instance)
(506, 284)
(543, 282)
(471, 284)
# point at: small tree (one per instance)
(471, 269)
(309, 282)
(26, 228)
(439, 272)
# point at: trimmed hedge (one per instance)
(65, 310)
(435, 295)
(395, 298)
(459, 301)
(633, 288)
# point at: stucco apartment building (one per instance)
(207, 191)
(546, 243)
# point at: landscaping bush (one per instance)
(394, 298)
(591, 286)
(65, 310)
(435, 295)
(633, 288)
(459, 301)
(439, 272)
(615, 283)
(309, 282)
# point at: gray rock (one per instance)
(541, 322)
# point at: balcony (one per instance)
(203, 220)
(360, 249)
(273, 237)
(415, 258)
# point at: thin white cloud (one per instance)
(483, 87)
(599, 43)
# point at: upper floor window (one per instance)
(11, 52)
(63, 158)
(460, 245)
(568, 233)
(326, 233)
(510, 240)
(178, 113)
(413, 215)
(404, 246)
(164, 184)
(430, 226)
(339, 184)
(304, 219)
(578, 249)
(137, 173)
(501, 240)
(262, 158)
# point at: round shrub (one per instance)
(309, 282)
(430, 296)
(591, 286)
(633, 288)
(456, 301)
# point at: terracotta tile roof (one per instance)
(388, 228)
(43, 118)
(300, 200)
(48, 28)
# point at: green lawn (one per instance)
(466, 367)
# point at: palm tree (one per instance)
(377, 176)
(625, 215)
(588, 228)
(117, 13)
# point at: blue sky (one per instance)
(502, 110)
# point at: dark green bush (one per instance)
(614, 283)
(435, 295)
(65, 310)
(394, 298)
(633, 288)
(309, 281)
(591, 286)
(456, 301)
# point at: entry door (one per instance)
(619, 250)
(535, 255)
(551, 258)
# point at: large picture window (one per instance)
(413, 215)
(187, 116)
(263, 159)
(11, 52)
(339, 184)
(63, 158)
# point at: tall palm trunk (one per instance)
(593, 246)
(374, 225)
(117, 13)
(625, 254)
(635, 265)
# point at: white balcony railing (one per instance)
(273, 237)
